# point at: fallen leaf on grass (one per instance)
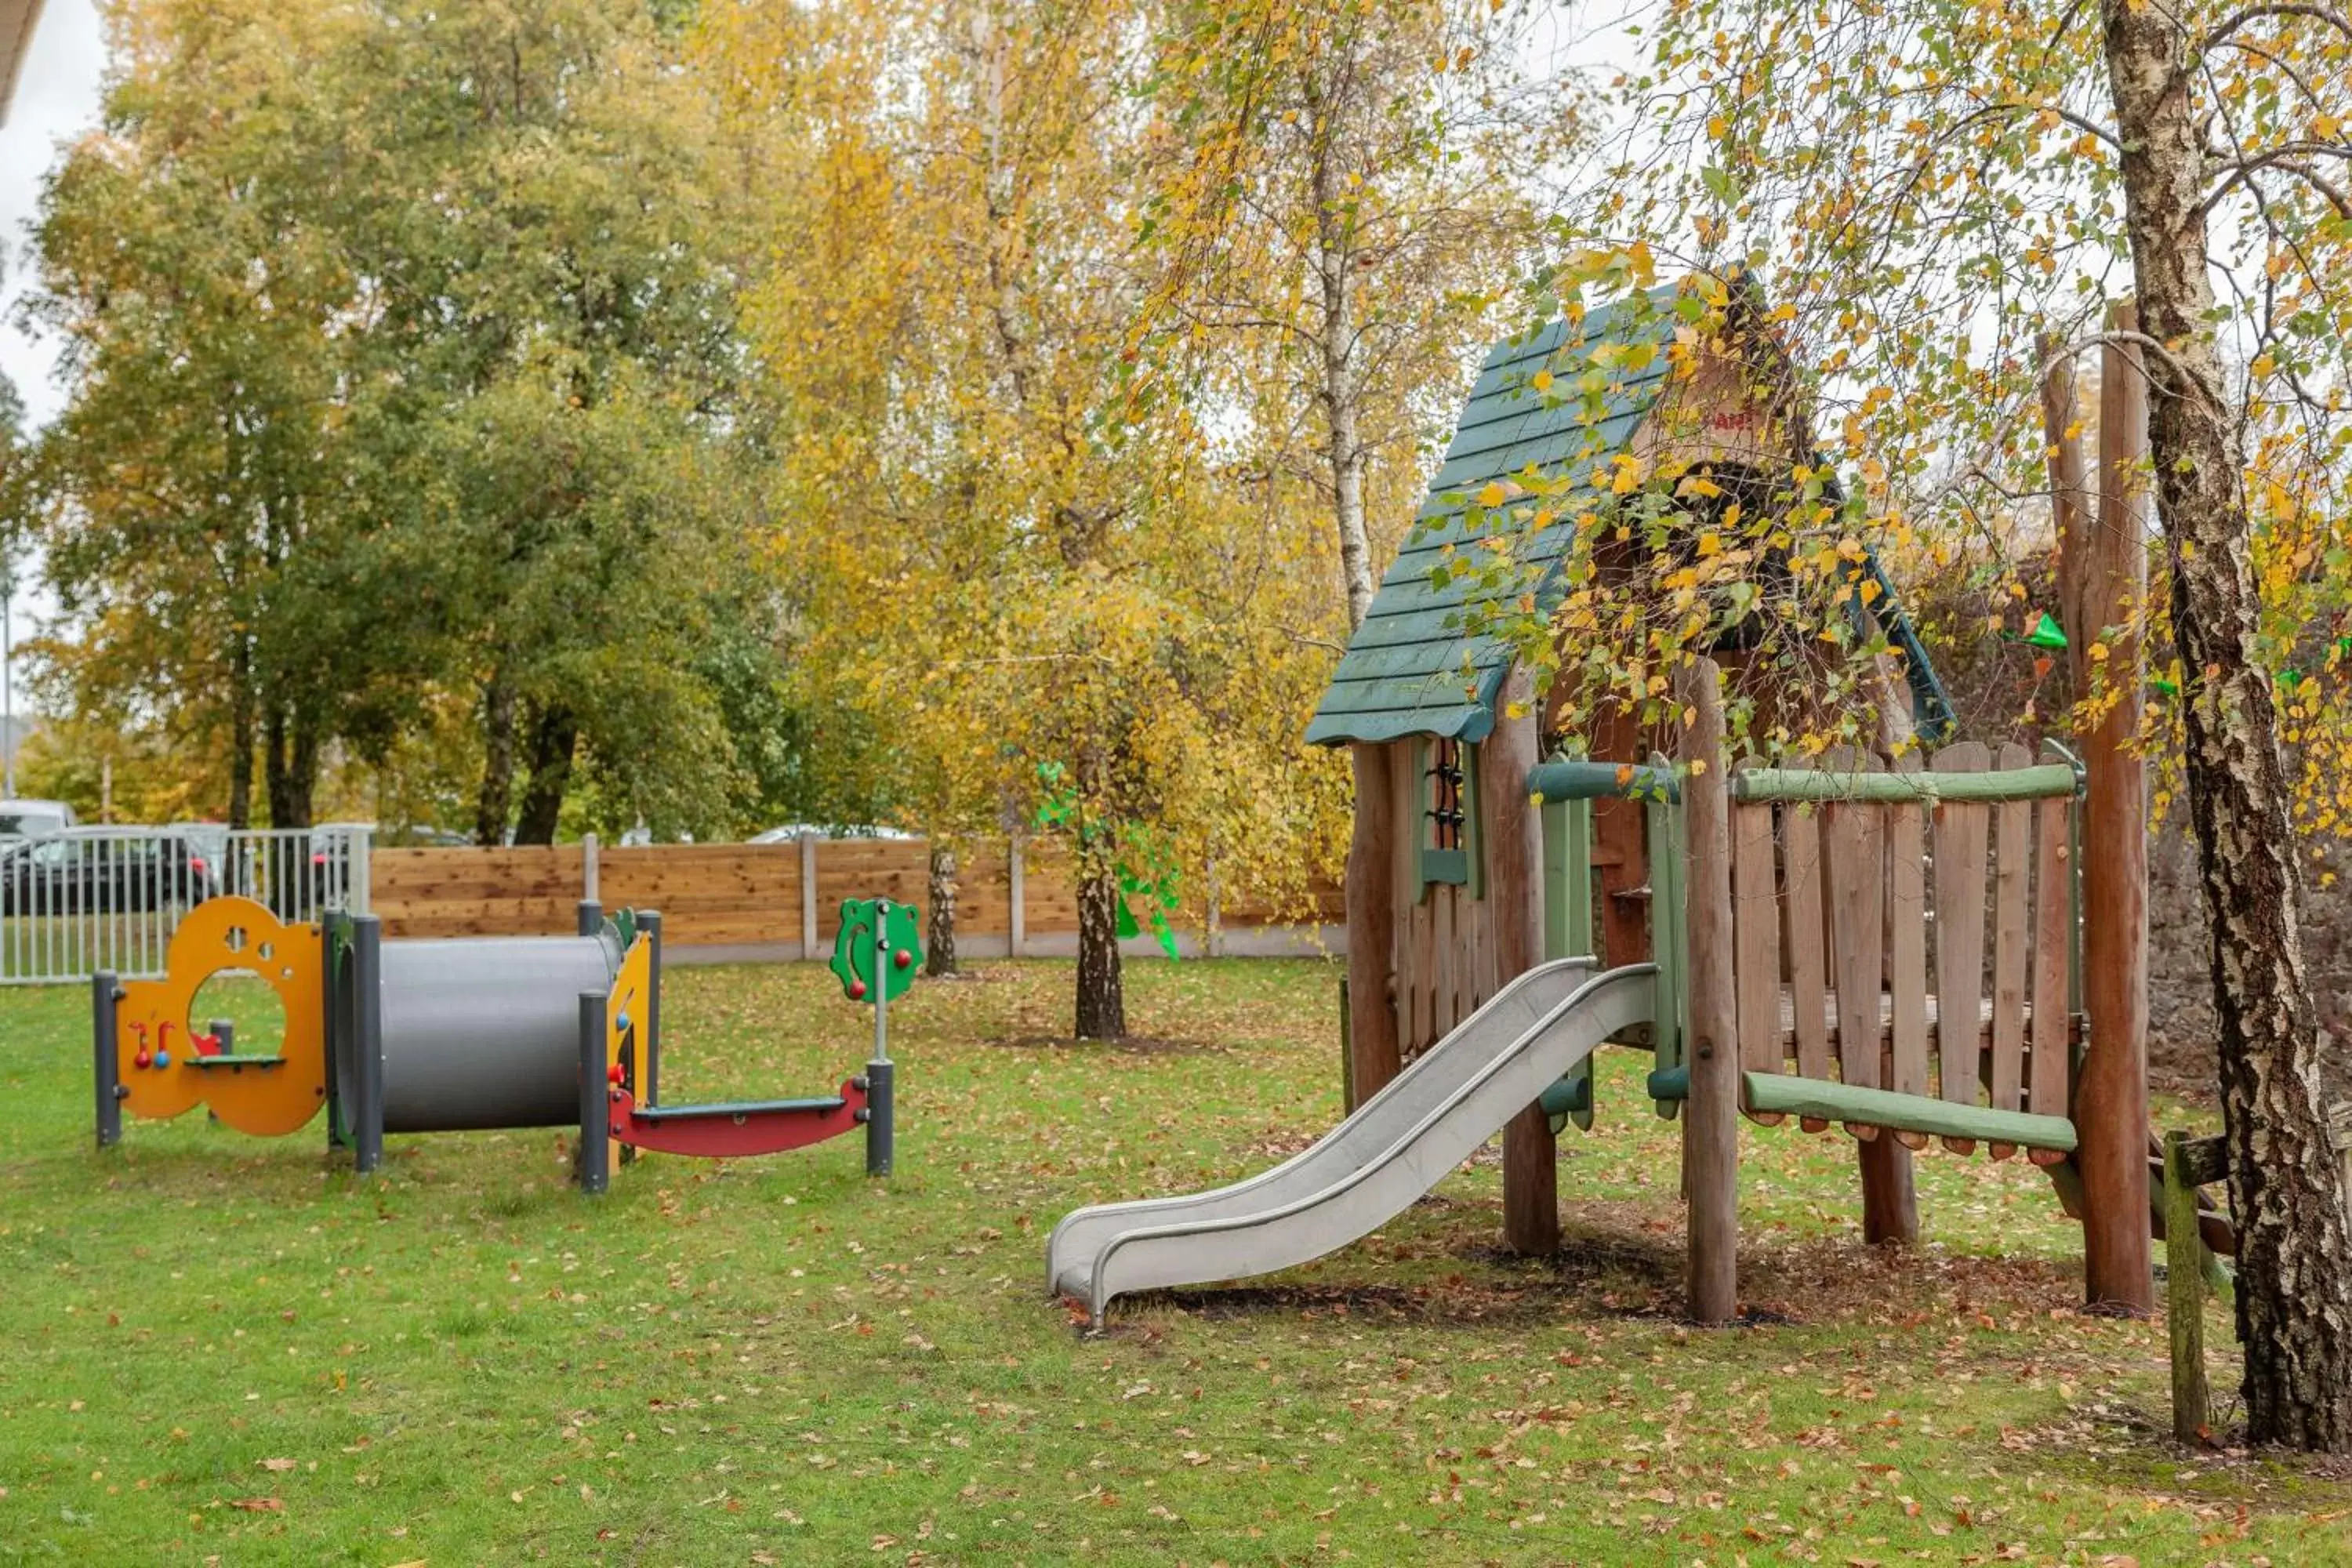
(279, 1466)
(258, 1504)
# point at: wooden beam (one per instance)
(1711, 1117)
(2110, 1106)
(2184, 1307)
(1913, 1112)
(1852, 786)
(1371, 927)
(1511, 840)
(1575, 778)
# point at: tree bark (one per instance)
(494, 800)
(940, 944)
(1342, 389)
(240, 735)
(554, 739)
(2287, 1192)
(1102, 987)
(290, 756)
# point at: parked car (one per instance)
(35, 818)
(792, 830)
(93, 871)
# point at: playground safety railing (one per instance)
(1860, 960)
(94, 898)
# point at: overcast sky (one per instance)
(57, 101)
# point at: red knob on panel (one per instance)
(857, 991)
(902, 958)
(142, 1058)
(613, 1072)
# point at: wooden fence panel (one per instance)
(1962, 829)
(742, 895)
(710, 895)
(2054, 912)
(1755, 939)
(895, 868)
(1049, 896)
(1907, 962)
(2013, 867)
(1855, 836)
(983, 892)
(527, 891)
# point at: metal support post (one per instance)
(367, 1052)
(649, 921)
(105, 999)
(596, 1102)
(878, 1139)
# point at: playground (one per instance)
(233, 1347)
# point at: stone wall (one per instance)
(2181, 979)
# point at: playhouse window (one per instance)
(1447, 824)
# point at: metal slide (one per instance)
(1399, 1145)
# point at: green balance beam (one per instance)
(1771, 1091)
(1790, 1096)
(2051, 781)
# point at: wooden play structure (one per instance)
(1923, 946)
(441, 1035)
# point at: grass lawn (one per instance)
(227, 1350)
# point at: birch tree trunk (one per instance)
(493, 800)
(240, 733)
(1102, 986)
(2292, 1215)
(1342, 389)
(940, 942)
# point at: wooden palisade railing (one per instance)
(1901, 949)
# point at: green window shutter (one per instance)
(1446, 853)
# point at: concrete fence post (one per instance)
(808, 895)
(1016, 936)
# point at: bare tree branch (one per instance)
(2329, 15)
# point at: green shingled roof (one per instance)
(1413, 668)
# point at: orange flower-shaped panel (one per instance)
(162, 1062)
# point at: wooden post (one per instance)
(1512, 843)
(1890, 1190)
(1373, 1050)
(2111, 1098)
(1711, 1117)
(589, 889)
(2184, 1309)
(1890, 1200)
(1346, 1053)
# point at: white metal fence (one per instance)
(73, 903)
